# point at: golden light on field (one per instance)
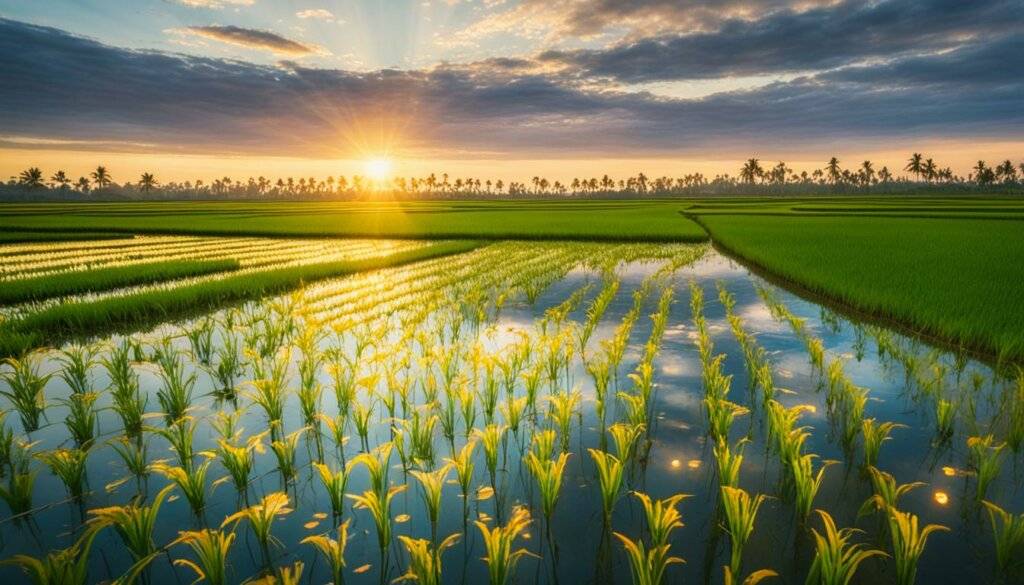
(378, 169)
(941, 498)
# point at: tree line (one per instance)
(754, 177)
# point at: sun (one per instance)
(378, 169)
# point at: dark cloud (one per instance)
(251, 38)
(57, 85)
(791, 41)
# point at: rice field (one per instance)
(510, 412)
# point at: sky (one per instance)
(505, 88)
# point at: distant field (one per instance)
(538, 220)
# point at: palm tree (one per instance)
(61, 179)
(983, 174)
(82, 184)
(834, 172)
(101, 176)
(1006, 171)
(929, 170)
(914, 165)
(868, 171)
(146, 182)
(31, 178)
(751, 170)
(884, 176)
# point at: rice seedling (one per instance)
(134, 523)
(238, 460)
(647, 566)
(548, 474)
(491, 438)
(333, 550)
(379, 506)
(334, 483)
(662, 517)
(875, 434)
(191, 482)
(229, 364)
(69, 566)
(836, 558)
(499, 542)
(740, 513)
(908, 542)
(309, 403)
(376, 463)
(17, 494)
(69, 466)
(853, 414)
(463, 465)
(26, 389)
(561, 408)
(200, 339)
(721, 414)
(609, 475)
(81, 419)
(180, 434)
(752, 579)
(887, 492)
(76, 361)
(431, 485)
(512, 410)
(134, 455)
(175, 394)
(729, 462)
(944, 417)
(986, 458)
(211, 548)
(128, 402)
(636, 409)
(599, 369)
(261, 517)
(284, 453)
(625, 436)
(806, 482)
(361, 415)
(421, 431)
(269, 394)
(1008, 533)
(467, 403)
(425, 559)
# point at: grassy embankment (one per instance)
(146, 308)
(108, 278)
(955, 278)
(530, 220)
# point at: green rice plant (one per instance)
(334, 483)
(874, 435)
(421, 431)
(636, 409)
(609, 476)
(212, 548)
(200, 338)
(309, 403)
(944, 418)
(284, 452)
(467, 406)
(766, 382)
(361, 415)
(26, 389)
(986, 458)
(908, 542)
(261, 519)
(6, 443)
(648, 566)
(270, 395)
(69, 466)
(836, 559)
(238, 460)
(599, 369)
(740, 513)
(499, 542)
(643, 380)
(336, 429)
(887, 492)
(424, 559)
(729, 462)
(752, 579)
(491, 437)
(431, 486)
(561, 408)
(134, 523)
(806, 482)
(229, 364)
(721, 414)
(662, 517)
(76, 361)
(376, 463)
(81, 419)
(17, 494)
(531, 383)
(134, 453)
(191, 482)
(548, 474)
(333, 550)
(1008, 532)
(853, 414)
(181, 435)
(625, 436)
(175, 393)
(379, 506)
(512, 410)
(69, 566)
(128, 402)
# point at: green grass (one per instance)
(146, 308)
(536, 220)
(956, 279)
(30, 237)
(107, 278)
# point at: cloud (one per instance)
(316, 13)
(216, 3)
(55, 85)
(253, 39)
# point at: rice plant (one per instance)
(261, 517)
(334, 483)
(491, 437)
(81, 420)
(836, 558)
(191, 482)
(548, 474)
(908, 541)
(76, 361)
(425, 559)
(180, 434)
(270, 395)
(175, 394)
(211, 548)
(609, 475)
(332, 549)
(887, 492)
(561, 408)
(361, 415)
(752, 579)
(26, 389)
(1008, 534)
(376, 463)
(379, 506)
(69, 566)
(499, 543)
(134, 523)
(128, 402)
(986, 457)
(134, 454)
(238, 460)
(647, 565)
(69, 466)
(17, 494)
(729, 462)
(625, 437)
(463, 465)
(284, 453)
(806, 482)
(431, 485)
(740, 513)
(662, 516)
(874, 435)
(944, 417)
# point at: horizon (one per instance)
(190, 89)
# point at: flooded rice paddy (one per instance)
(538, 355)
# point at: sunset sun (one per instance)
(378, 169)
